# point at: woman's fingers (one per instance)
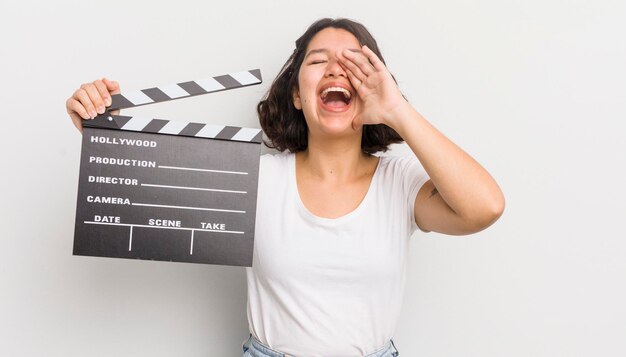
(74, 107)
(356, 82)
(83, 99)
(104, 92)
(112, 86)
(373, 59)
(94, 96)
(76, 112)
(362, 63)
(90, 100)
(357, 63)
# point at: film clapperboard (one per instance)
(166, 190)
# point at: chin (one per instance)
(337, 127)
(331, 123)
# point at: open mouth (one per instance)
(336, 97)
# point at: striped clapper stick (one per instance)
(165, 190)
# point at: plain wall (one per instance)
(534, 90)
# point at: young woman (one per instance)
(330, 256)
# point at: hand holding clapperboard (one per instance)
(166, 190)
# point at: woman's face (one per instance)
(325, 95)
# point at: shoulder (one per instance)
(405, 173)
(399, 166)
(273, 179)
(273, 167)
(275, 161)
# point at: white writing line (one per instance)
(147, 226)
(192, 208)
(191, 249)
(203, 170)
(193, 188)
(130, 241)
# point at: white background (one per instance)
(534, 90)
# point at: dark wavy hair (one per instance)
(284, 125)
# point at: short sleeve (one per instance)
(414, 176)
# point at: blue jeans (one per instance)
(253, 348)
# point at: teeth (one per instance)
(345, 92)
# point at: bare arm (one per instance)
(461, 197)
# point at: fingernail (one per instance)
(107, 101)
(100, 109)
(92, 114)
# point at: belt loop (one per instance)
(397, 353)
(245, 342)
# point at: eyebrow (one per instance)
(326, 50)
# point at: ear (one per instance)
(296, 99)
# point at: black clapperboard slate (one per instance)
(165, 190)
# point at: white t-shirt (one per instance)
(330, 287)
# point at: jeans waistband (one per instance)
(388, 350)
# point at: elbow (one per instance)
(488, 215)
(497, 208)
(495, 212)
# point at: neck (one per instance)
(337, 158)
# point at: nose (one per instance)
(334, 69)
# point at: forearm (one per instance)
(463, 183)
